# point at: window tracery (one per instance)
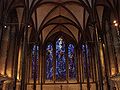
(35, 58)
(56, 66)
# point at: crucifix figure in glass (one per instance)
(60, 60)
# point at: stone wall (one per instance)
(62, 87)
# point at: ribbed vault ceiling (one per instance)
(48, 17)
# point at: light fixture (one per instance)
(116, 24)
(5, 26)
(28, 26)
(114, 21)
(103, 45)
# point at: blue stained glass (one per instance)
(60, 60)
(86, 64)
(72, 61)
(84, 60)
(49, 62)
(88, 61)
(35, 58)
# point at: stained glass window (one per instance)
(49, 62)
(60, 60)
(86, 64)
(35, 58)
(72, 61)
(56, 67)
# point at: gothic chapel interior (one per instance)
(59, 44)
